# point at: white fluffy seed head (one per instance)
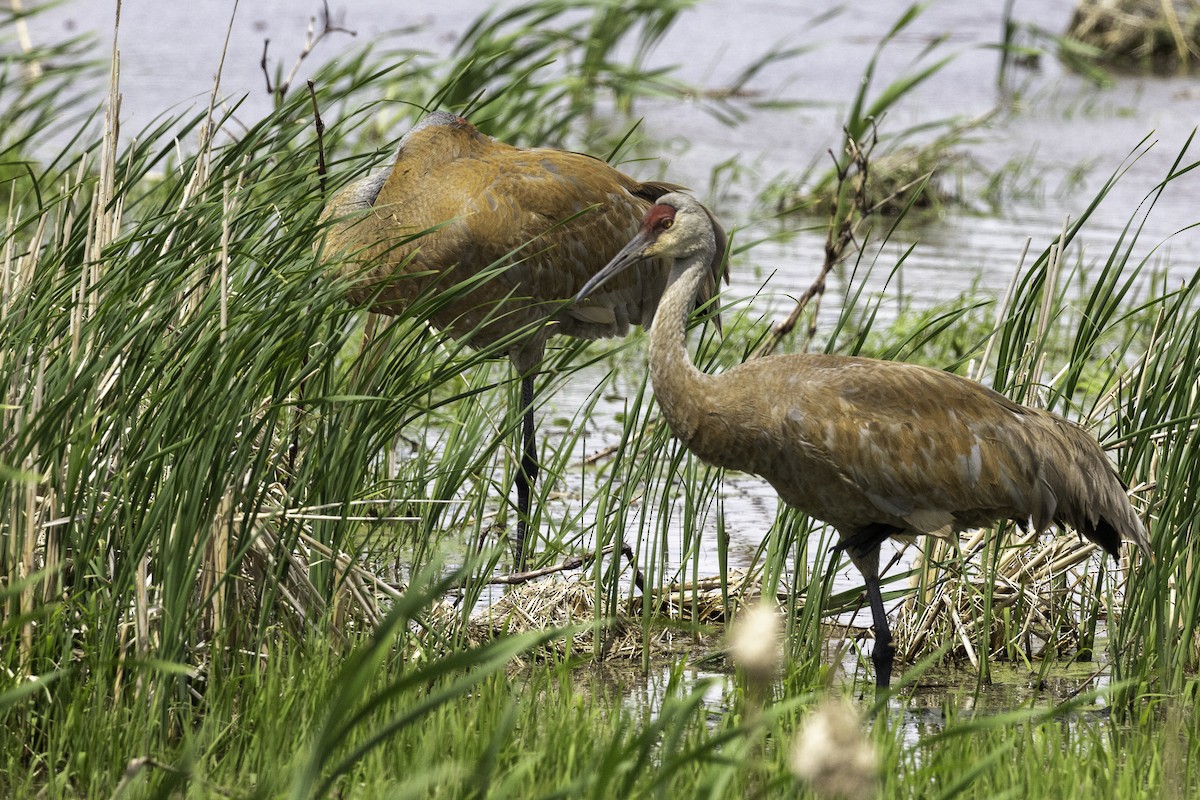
(756, 643)
(833, 755)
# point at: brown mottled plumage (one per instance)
(457, 203)
(874, 448)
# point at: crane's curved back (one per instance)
(527, 227)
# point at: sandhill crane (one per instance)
(876, 449)
(456, 203)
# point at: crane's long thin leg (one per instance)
(863, 548)
(527, 474)
(884, 653)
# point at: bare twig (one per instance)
(315, 34)
(572, 562)
(263, 64)
(319, 124)
(600, 455)
(843, 224)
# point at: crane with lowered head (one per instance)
(456, 204)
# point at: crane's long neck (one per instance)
(678, 385)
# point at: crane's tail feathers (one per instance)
(1091, 497)
(1111, 520)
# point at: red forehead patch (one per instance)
(655, 216)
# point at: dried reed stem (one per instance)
(840, 233)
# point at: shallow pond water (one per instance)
(920, 706)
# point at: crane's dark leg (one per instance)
(863, 549)
(884, 653)
(527, 474)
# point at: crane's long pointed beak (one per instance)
(630, 254)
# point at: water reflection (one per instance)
(921, 707)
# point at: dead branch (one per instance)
(319, 125)
(841, 229)
(572, 562)
(327, 26)
(600, 455)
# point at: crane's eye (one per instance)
(666, 223)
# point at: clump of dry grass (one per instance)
(558, 602)
(704, 600)
(903, 179)
(553, 604)
(1030, 601)
(1144, 34)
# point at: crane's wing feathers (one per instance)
(564, 215)
(457, 204)
(941, 453)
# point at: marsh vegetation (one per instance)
(249, 536)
